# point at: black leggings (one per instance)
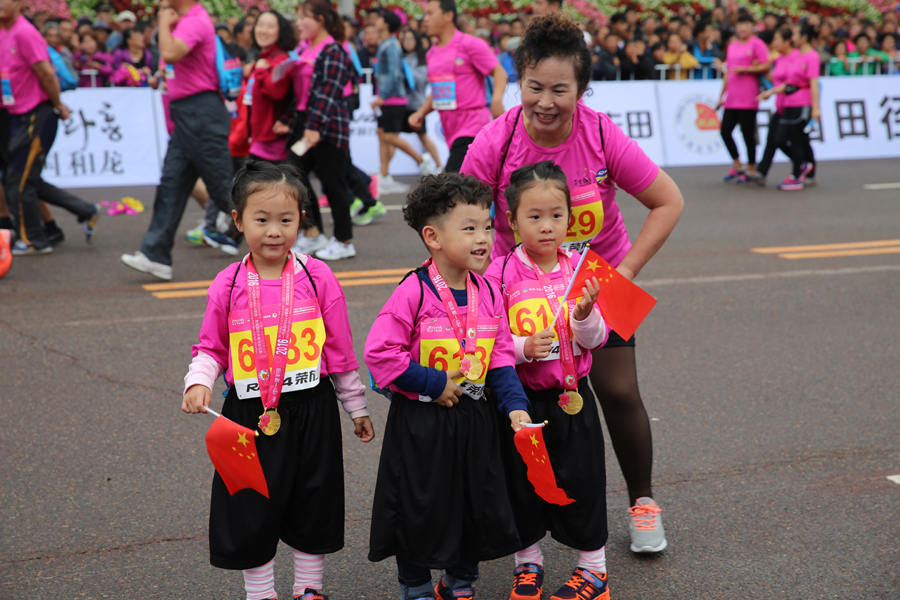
(791, 129)
(330, 164)
(614, 379)
(747, 120)
(772, 145)
(458, 151)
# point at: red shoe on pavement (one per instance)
(5, 254)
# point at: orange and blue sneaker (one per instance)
(583, 585)
(528, 583)
(311, 594)
(444, 593)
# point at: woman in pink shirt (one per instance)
(783, 44)
(747, 59)
(554, 68)
(94, 66)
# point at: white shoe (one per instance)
(308, 245)
(387, 185)
(336, 250)
(223, 222)
(428, 164)
(139, 262)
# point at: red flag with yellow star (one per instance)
(623, 304)
(232, 450)
(530, 444)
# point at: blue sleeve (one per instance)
(507, 387)
(703, 60)
(427, 381)
(354, 58)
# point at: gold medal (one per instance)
(270, 422)
(475, 370)
(575, 403)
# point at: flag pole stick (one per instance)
(562, 302)
(217, 415)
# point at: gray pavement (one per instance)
(772, 385)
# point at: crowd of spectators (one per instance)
(120, 50)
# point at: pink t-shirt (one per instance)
(397, 334)
(743, 88)
(456, 73)
(529, 311)
(593, 169)
(303, 72)
(20, 49)
(779, 76)
(337, 352)
(196, 72)
(802, 69)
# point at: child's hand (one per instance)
(539, 345)
(517, 418)
(365, 431)
(196, 399)
(452, 392)
(586, 304)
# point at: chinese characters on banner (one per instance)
(110, 139)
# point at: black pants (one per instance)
(359, 184)
(30, 137)
(458, 154)
(772, 145)
(412, 575)
(790, 129)
(746, 118)
(331, 165)
(198, 149)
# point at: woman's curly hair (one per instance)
(555, 35)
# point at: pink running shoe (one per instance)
(790, 184)
(374, 186)
(323, 200)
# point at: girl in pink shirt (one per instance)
(553, 365)
(296, 303)
(554, 68)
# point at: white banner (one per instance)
(112, 139)
(117, 136)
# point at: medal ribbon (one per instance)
(270, 387)
(468, 335)
(566, 353)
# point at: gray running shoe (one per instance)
(645, 526)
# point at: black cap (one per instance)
(103, 7)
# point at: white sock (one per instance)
(308, 569)
(594, 562)
(532, 554)
(259, 583)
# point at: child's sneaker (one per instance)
(311, 594)
(790, 184)
(444, 593)
(376, 210)
(645, 526)
(528, 583)
(583, 585)
(733, 175)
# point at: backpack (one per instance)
(67, 79)
(231, 73)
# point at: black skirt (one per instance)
(304, 469)
(440, 494)
(575, 447)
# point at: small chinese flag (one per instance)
(232, 450)
(623, 304)
(530, 444)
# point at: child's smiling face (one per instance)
(270, 223)
(463, 236)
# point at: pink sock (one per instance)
(532, 554)
(308, 569)
(594, 562)
(260, 582)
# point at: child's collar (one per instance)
(526, 260)
(301, 258)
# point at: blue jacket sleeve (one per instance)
(427, 381)
(507, 387)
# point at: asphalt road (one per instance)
(771, 383)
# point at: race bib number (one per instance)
(304, 348)
(530, 312)
(443, 92)
(6, 85)
(439, 348)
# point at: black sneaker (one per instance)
(55, 236)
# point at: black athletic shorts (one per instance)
(392, 118)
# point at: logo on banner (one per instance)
(697, 124)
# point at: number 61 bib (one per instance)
(304, 348)
(439, 348)
(529, 312)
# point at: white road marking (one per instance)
(882, 186)
(761, 276)
(895, 478)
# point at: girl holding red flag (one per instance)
(276, 325)
(553, 364)
(554, 71)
